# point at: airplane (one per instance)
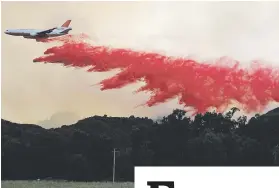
(41, 34)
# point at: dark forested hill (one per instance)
(83, 151)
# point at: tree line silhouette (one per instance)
(83, 151)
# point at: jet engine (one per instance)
(33, 34)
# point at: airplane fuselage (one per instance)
(32, 33)
(39, 34)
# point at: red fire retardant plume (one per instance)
(196, 84)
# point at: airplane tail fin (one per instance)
(66, 24)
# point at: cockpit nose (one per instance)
(7, 31)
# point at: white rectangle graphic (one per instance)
(207, 177)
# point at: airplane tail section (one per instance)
(66, 24)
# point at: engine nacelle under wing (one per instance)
(33, 34)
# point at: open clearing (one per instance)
(64, 184)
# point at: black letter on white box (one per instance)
(157, 184)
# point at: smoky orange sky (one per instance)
(32, 92)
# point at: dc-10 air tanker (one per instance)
(39, 34)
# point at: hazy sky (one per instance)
(34, 92)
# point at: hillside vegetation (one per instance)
(83, 151)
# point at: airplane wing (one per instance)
(45, 31)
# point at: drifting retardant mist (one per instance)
(199, 85)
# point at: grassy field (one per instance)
(63, 184)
